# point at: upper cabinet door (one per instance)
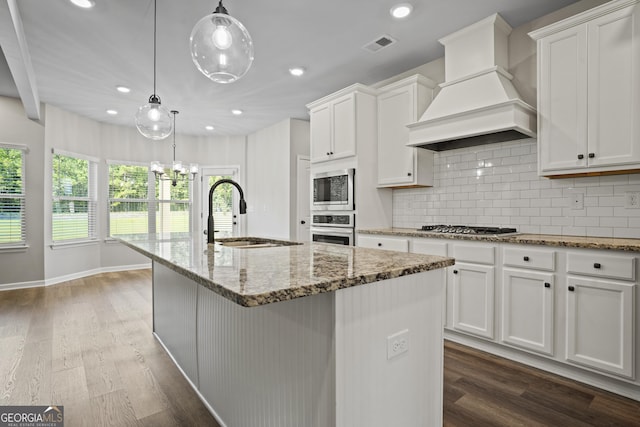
(562, 100)
(395, 159)
(320, 133)
(614, 97)
(344, 126)
(400, 104)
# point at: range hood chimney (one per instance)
(477, 104)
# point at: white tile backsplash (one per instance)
(498, 185)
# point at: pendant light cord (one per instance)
(155, 18)
(174, 112)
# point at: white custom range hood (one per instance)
(477, 104)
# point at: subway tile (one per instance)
(615, 222)
(499, 185)
(574, 231)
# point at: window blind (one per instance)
(12, 197)
(74, 198)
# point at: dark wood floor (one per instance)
(485, 390)
(87, 344)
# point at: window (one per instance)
(74, 198)
(128, 199)
(174, 206)
(140, 204)
(12, 196)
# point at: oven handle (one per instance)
(332, 231)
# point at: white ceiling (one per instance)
(79, 56)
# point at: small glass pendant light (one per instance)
(152, 119)
(221, 46)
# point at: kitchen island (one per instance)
(304, 334)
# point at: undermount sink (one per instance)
(253, 242)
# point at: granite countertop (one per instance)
(611, 243)
(257, 276)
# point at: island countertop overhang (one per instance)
(259, 276)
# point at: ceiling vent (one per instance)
(379, 43)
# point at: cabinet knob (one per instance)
(592, 155)
(328, 153)
(379, 244)
(580, 156)
(303, 222)
(455, 271)
(547, 284)
(408, 173)
(571, 288)
(526, 258)
(331, 152)
(597, 265)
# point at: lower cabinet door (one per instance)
(527, 310)
(473, 298)
(600, 330)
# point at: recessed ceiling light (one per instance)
(112, 112)
(123, 89)
(209, 127)
(296, 71)
(236, 112)
(85, 4)
(401, 10)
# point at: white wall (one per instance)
(25, 267)
(271, 178)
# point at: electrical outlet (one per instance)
(577, 201)
(632, 200)
(397, 344)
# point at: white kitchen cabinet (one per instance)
(335, 122)
(600, 325)
(589, 91)
(472, 281)
(399, 104)
(527, 310)
(400, 244)
(473, 298)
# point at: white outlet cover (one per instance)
(397, 344)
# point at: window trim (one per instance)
(92, 200)
(21, 245)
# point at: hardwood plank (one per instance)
(113, 409)
(12, 350)
(33, 375)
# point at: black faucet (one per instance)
(243, 205)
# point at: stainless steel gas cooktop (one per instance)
(466, 229)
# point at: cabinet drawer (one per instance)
(594, 264)
(428, 247)
(529, 258)
(474, 253)
(380, 242)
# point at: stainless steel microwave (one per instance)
(333, 190)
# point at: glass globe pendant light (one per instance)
(152, 119)
(221, 46)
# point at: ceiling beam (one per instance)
(14, 46)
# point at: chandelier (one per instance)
(178, 171)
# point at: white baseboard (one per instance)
(74, 276)
(22, 285)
